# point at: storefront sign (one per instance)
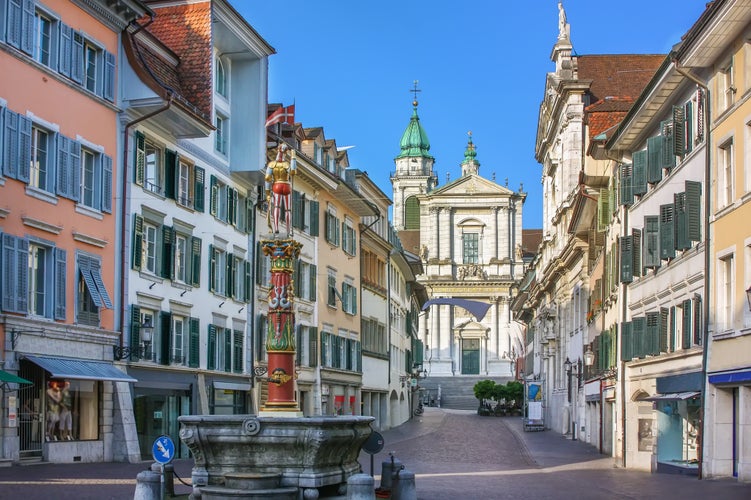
(12, 416)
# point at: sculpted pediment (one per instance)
(472, 185)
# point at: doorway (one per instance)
(470, 356)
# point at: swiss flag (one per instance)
(282, 115)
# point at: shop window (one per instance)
(227, 402)
(72, 410)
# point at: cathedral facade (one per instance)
(468, 234)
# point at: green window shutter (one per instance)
(171, 171)
(654, 159)
(693, 210)
(259, 263)
(313, 280)
(168, 253)
(412, 213)
(248, 281)
(636, 252)
(237, 352)
(679, 131)
(297, 209)
(627, 191)
(668, 144)
(211, 349)
(681, 222)
(639, 179)
(639, 333)
(232, 204)
(689, 124)
(671, 333)
(315, 216)
(613, 355)
(137, 242)
(651, 242)
(195, 261)
(667, 236)
(613, 194)
(135, 328)
(212, 268)
(626, 341)
(165, 337)
(652, 345)
(627, 259)
(227, 350)
(298, 345)
(199, 187)
(697, 327)
(603, 210)
(194, 345)
(664, 316)
(313, 346)
(687, 317)
(213, 196)
(139, 167)
(229, 275)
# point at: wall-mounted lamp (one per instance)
(147, 335)
(589, 356)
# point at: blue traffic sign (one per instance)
(163, 450)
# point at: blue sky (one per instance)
(349, 67)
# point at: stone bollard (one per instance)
(388, 468)
(360, 487)
(148, 485)
(404, 486)
(169, 476)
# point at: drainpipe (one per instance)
(707, 257)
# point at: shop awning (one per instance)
(673, 396)
(737, 377)
(231, 386)
(9, 378)
(80, 369)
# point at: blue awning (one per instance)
(80, 369)
(731, 378)
(478, 309)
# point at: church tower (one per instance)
(414, 175)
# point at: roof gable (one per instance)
(473, 185)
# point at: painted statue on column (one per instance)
(279, 175)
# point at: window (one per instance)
(374, 338)
(725, 167)
(221, 134)
(154, 168)
(43, 26)
(470, 244)
(727, 87)
(40, 172)
(224, 201)
(412, 213)
(184, 197)
(72, 410)
(349, 238)
(179, 340)
(92, 295)
(96, 181)
(90, 62)
(38, 264)
(332, 293)
(725, 290)
(88, 183)
(220, 78)
(181, 258)
(218, 279)
(349, 298)
(332, 227)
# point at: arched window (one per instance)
(412, 213)
(220, 81)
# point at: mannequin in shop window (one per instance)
(59, 417)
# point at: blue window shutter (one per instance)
(137, 242)
(654, 159)
(10, 139)
(24, 148)
(15, 260)
(97, 187)
(639, 175)
(60, 288)
(107, 184)
(194, 343)
(667, 236)
(76, 58)
(195, 261)
(211, 350)
(165, 337)
(27, 27)
(63, 166)
(65, 50)
(109, 76)
(96, 273)
(139, 157)
(199, 189)
(74, 159)
(14, 23)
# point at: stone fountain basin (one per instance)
(307, 452)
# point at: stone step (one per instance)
(251, 480)
(223, 493)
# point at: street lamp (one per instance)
(147, 335)
(573, 369)
(589, 356)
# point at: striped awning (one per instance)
(80, 369)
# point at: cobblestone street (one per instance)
(454, 454)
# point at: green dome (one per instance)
(470, 153)
(415, 141)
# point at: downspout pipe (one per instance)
(707, 256)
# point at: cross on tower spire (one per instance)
(415, 90)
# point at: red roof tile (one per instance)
(617, 75)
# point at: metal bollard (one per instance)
(360, 487)
(404, 486)
(148, 485)
(388, 467)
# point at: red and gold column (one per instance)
(280, 336)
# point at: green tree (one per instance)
(484, 389)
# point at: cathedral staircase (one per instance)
(457, 393)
